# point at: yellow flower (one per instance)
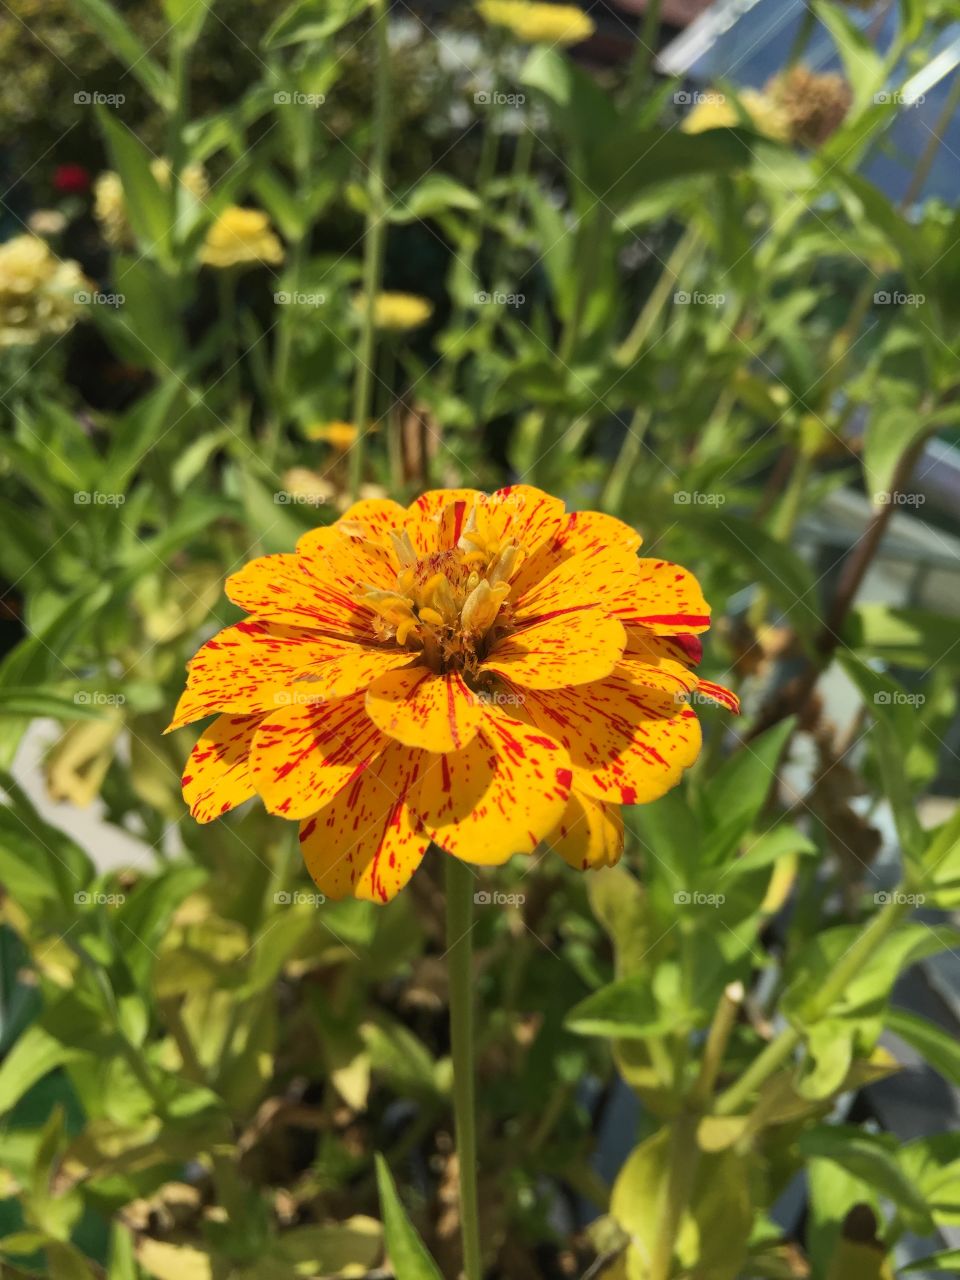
(751, 108)
(535, 22)
(241, 236)
(397, 312)
(38, 292)
(487, 673)
(341, 435)
(110, 206)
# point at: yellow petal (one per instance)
(304, 755)
(655, 662)
(280, 589)
(346, 563)
(628, 745)
(497, 797)
(429, 531)
(365, 842)
(579, 531)
(421, 709)
(599, 576)
(666, 600)
(590, 834)
(217, 777)
(573, 646)
(244, 667)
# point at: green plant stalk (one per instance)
(176, 150)
(646, 51)
(849, 965)
(629, 452)
(683, 251)
(459, 892)
(682, 1169)
(373, 248)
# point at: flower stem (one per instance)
(459, 892)
(849, 965)
(373, 249)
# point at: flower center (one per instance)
(447, 605)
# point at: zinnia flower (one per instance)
(813, 105)
(239, 237)
(482, 672)
(535, 22)
(749, 107)
(38, 292)
(397, 312)
(340, 435)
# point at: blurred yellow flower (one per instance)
(756, 110)
(40, 295)
(110, 206)
(535, 22)
(339, 434)
(240, 236)
(813, 105)
(397, 312)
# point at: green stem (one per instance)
(682, 1169)
(459, 889)
(646, 51)
(850, 964)
(622, 468)
(374, 246)
(634, 342)
(227, 298)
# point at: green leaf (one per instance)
(866, 71)
(35, 1054)
(870, 1157)
(187, 17)
(769, 848)
(310, 20)
(738, 790)
(39, 700)
(891, 431)
(148, 205)
(939, 1048)
(947, 1262)
(906, 637)
(437, 193)
(941, 866)
(626, 1008)
(408, 1255)
(108, 24)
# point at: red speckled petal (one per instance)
(217, 777)
(304, 755)
(601, 577)
(579, 531)
(347, 564)
(656, 663)
(628, 745)
(720, 694)
(574, 646)
(433, 530)
(667, 599)
(589, 835)
(366, 843)
(281, 589)
(421, 709)
(499, 796)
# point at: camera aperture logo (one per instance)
(694, 898)
(495, 898)
(297, 898)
